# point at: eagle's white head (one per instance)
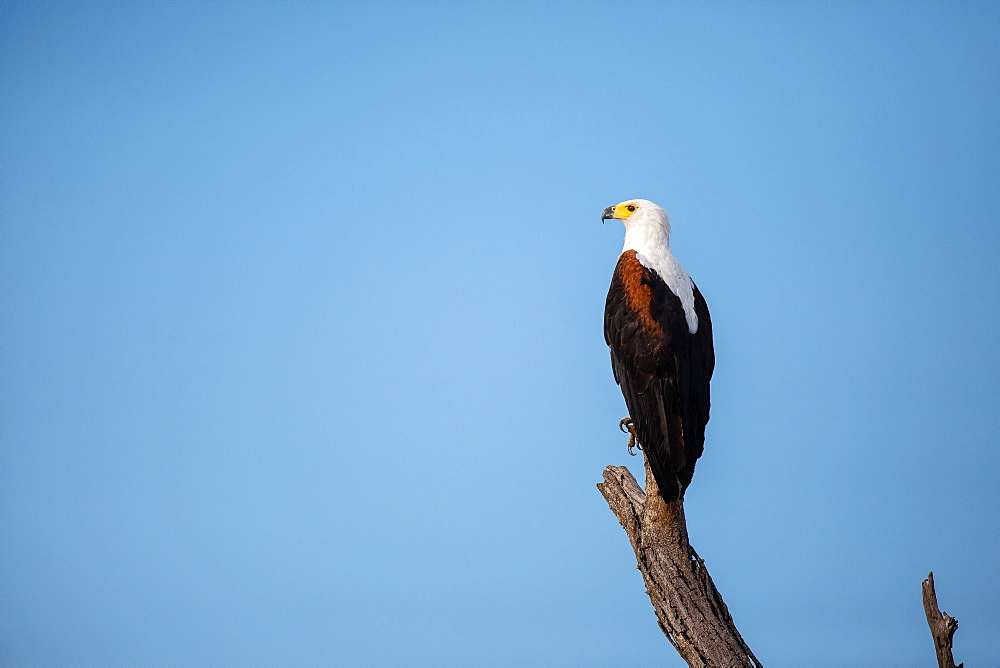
(647, 225)
(635, 212)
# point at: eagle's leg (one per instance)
(627, 427)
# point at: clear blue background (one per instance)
(302, 360)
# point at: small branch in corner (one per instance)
(943, 626)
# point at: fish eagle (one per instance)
(657, 325)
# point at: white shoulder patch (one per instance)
(664, 263)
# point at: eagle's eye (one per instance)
(631, 208)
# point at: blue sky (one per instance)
(303, 362)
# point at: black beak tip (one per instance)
(608, 214)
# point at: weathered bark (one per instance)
(689, 608)
(942, 625)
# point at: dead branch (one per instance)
(690, 610)
(942, 625)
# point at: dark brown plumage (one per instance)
(663, 369)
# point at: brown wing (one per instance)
(663, 370)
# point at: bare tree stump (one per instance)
(690, 610)
(942, 625)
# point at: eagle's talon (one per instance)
(627, 427)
